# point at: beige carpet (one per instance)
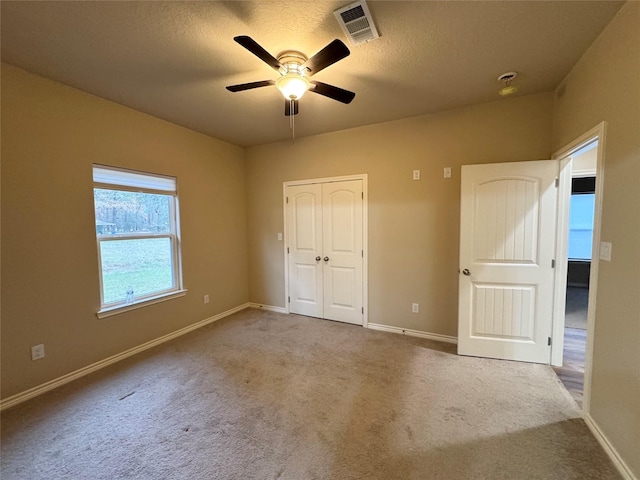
(267, 396)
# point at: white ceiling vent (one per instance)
(356, 22)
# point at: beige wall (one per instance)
(51, 135)
(605, 85)
(413, 225)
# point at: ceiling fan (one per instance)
(295, 69)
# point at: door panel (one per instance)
(304, 238)
(507, 245)
(305, 227)
(503, 311)
(507, 209)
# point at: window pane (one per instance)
(581, 226)
(143, 265)
(119, 211)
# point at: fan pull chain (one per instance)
(292, 120)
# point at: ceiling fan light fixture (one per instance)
(292, 86)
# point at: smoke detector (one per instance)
(508, 89)
(356, 22)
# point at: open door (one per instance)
(507, 245)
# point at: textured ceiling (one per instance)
(173, 59)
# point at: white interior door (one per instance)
(325, 248)
(342, 250)
(507, 245)
(304, 241)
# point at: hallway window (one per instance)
(581, 226)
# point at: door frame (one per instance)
(365, 235)
(564, 195)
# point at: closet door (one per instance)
(325, 248)
(342, 251)
(304, 239)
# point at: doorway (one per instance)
(325, 228)
(578, 236)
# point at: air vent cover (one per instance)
(356, 22)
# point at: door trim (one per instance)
(598, 132)
(365, 235)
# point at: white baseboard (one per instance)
(269, 308)
(69, 377)
(413, 333)
(619, 463)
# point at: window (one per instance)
(581, 226)
(582, 208)
(138, 237)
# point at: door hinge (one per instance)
(553, 263)
(557, 182)
(287, 249)
(549, 341)
(362, 195)
(363, 310)
(289, 299)
(287, 199)
(362, 251)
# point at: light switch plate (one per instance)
(447, 172)
(605, 251)
(280, 236)
(37, 352)
(416, 174)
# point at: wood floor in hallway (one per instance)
(572, 371)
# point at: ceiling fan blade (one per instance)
(251, 45)
(329, 55)
(287, 107)
(248, 86)
(336, 93)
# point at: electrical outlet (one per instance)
(416, 174)
(415, 308)
(206, 299)
(37, 352)
(447, 172)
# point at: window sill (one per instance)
(108, 312)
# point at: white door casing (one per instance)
(507, 245)
(325, 249)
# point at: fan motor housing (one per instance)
(292, 61)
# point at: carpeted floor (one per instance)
(261, 395)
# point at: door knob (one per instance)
(326, 259)
(466, 272)
(318, 259)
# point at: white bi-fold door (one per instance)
(507, 247)
(325, 250)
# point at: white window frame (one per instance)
(112, 178)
